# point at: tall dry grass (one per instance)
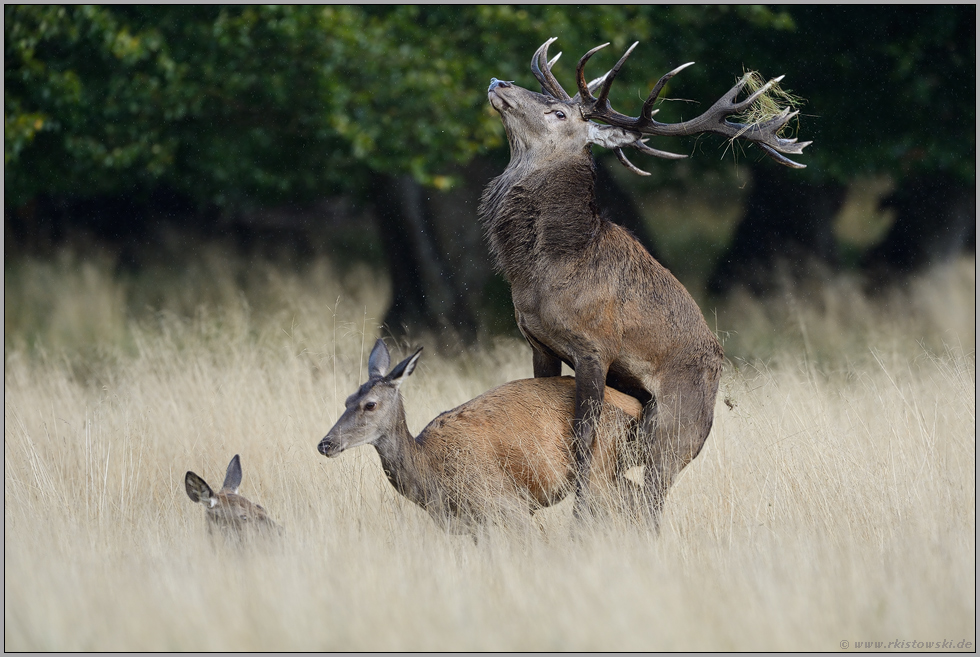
(834, 500)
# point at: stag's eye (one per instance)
(560, 115)
(370, 406)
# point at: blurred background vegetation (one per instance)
(146, 137)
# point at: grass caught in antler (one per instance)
(769, 105)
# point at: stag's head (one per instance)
(552, 124)
(376, 409)
(544, 127)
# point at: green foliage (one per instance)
(251, 104)
(210, 101)
(254, 104)
(76, 125)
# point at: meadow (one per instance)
(835, 499)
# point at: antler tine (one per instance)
(744, 104)
(776, 123)
(583, 88)
(715, 120)
(645, 112)
(641, 146)
(539, 54)
(629, 165)
(611, 75)
(551, 65)
(782, 159)
(593, 85)
(542, 71)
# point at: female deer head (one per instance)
(499, 456)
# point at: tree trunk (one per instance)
(935, 219)
(443, 279)
(787, 227)
(425, 296)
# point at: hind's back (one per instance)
(519, 436)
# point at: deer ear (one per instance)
(404, 368)
(233, 477)
(609, 136)
(379, 359)
(198, 489)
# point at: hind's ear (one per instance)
(404, 368)
(198, 489)
(379, 359)
(233, 476)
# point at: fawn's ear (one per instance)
(379, 360)
(404, 368)
(233, 477)
(198, 490)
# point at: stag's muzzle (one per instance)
(497, 100)
(494, 83)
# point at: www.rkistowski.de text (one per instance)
(909, 644)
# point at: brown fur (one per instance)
(499, 456)
(587, 293)
(227, 511)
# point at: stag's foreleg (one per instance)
(590, 391)
(676, 423)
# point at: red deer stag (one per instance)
(498, 457)
(585, 291)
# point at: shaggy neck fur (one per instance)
(534, 214)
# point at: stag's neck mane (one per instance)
(537, 212)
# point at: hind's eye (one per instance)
(560, 114)
(370, 406)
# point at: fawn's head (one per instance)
(226, 509)
(376, 409)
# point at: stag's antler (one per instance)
(541, 67)
(714, 120)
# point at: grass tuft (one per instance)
(769, 105)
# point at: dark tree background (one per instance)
(890, 90)
(264, 122)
